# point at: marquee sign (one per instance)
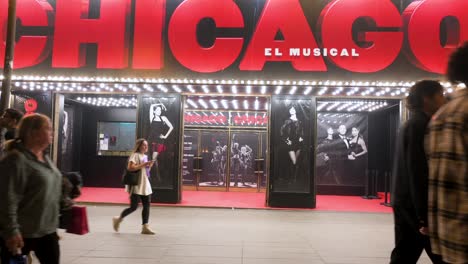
(359, 36)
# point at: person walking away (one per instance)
(410, 172)
(447, 148)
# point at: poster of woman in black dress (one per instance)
(291, 147)
(292, 135)
(358, 158)
(159, 125)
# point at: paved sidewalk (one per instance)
(224, 236)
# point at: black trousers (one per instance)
(409, 242)
(145, 201)
(46, 249)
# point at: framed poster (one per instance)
(342, 149)
(159, 122)
(292, 148)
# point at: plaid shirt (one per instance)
(447, 147)
(2, 141)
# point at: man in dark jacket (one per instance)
(410, 172)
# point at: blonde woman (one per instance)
(30, 191)
(138, 161)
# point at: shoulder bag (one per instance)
(130, 178)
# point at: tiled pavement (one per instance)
(224, 236)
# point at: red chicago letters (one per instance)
(418, 29)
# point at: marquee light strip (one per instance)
(205, 81)
(87, 79)
(109, 101)
(351, 105)
(336, 91)
(132, 88)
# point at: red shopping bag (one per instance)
(78, 221)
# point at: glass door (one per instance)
(224, 160)
(245, 152)
(213, 152)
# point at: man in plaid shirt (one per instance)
(447, 149)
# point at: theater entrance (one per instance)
(225, 146)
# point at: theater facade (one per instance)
(291, 98)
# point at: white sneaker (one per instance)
(116, 223)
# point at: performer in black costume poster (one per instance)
(218, 162)
(292, 135)
(159, 116)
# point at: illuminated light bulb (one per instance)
(293, 90)
(219, 88)
(224, 103)
(263, 90)
(234, 103)
(278, 89)
(308, 90)
(214, 104)
(202, 103)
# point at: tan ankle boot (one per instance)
(116, 223)
(146, 230)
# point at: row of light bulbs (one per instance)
(348, 106)
(226, 104)
(334, 115)
(351, 106)
(109, 101)
(206, 81)
(220, 89)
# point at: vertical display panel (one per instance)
(67, 133)
(159, 122)
(292, 152)
(190, 151)
(263, 160)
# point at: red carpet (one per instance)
(238, 200)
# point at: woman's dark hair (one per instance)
(14, 114)
(425, 88)
(457, 70)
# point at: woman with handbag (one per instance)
(138, 162)
(30, 191)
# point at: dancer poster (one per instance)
(291, 140)
(214, 153)
(159, 119)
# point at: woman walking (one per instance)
(30, 191)
(138, 161)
